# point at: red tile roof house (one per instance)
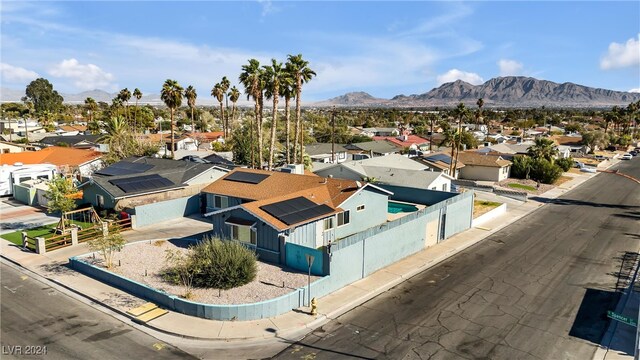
(264, 210)
(413, 142)
(80, 162)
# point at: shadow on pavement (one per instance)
(581, 202)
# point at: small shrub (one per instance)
(521, 167)
(565, 163)
(223, 264)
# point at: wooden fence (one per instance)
(66, 239)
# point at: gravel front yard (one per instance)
(137, 258)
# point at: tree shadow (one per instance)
(561, 201)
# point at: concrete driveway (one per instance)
(16, 216)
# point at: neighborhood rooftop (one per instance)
(55, 155)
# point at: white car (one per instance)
(627, 156)
(588, 169)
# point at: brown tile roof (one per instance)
(472, 158)
(73, 127)
(567, 140)
(55, 155)
(440, 164)
(279, 186)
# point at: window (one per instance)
(220, 202)
(360, 208)
(100, 200)
(328, 223)
(444, 187)
(245, 234)
(21, 180)
(434, 188)
(343, 218)
(43, 177)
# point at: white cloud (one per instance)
(86, 77)
(622, 55)
(267, 8)
(636, 90)
(455, 74)
(15, 73)
(509, 67)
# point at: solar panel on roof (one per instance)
(124, 168)
(296, 210)
(439, 157)
(142, 183)
(246, 177)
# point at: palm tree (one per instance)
(118, 138)
(191, 95)
(543, 148)
(460, 112)
(138, 95)
(125, 96)
(218, 93)
(171, 95)
(287, 91)
(301, 73)
(224, 84)
(251, 79)
(273, 76)
(480, 104)
(91, 105)
(610, 117)
(234, 95)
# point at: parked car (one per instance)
(633, 152)
(601, 157)
(627, 156)
(588, 169)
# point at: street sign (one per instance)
(310, 259)
(621, 318)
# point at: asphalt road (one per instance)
(538, 289)
(35, 315)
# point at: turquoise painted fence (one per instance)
(242, 312)
(150, 214)
(296, 258)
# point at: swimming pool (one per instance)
(396, 207)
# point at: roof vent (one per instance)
(358, 184)
(18, 164)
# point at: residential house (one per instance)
(390, 170)
(372, 132)
(152, 189)
(483, 167)
(80, 163)
(326, 153)
(574, 143)
(7, 147)
(181, 142)
(369, 149)
(412, 142)
(75, 141)
(265, 210)
(70, 130)
(440, 161)
(206, 140)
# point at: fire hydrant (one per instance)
(314, 307)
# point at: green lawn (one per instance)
(45, 231)
(523, 187)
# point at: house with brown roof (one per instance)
(265, 210)
(440, 161)
(483, 166)
(79, 162)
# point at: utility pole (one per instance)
(333, 134)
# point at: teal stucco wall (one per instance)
(25, 195)
(150, 214)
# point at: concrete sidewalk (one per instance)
(291, 325)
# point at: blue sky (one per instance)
(383, 48)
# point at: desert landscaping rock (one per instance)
(136, 258)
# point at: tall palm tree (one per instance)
(273, 76)
(218, 93)
(480, 104)
(125, 96)
(224, 84)
(234, 95)
(91, 105)
(460, 112)
(288, 92)
(171, 95)
(138, 95)
(191, 95)
(118, 137)
(251, 79)
(301, 72)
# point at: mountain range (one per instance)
(509, 91)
